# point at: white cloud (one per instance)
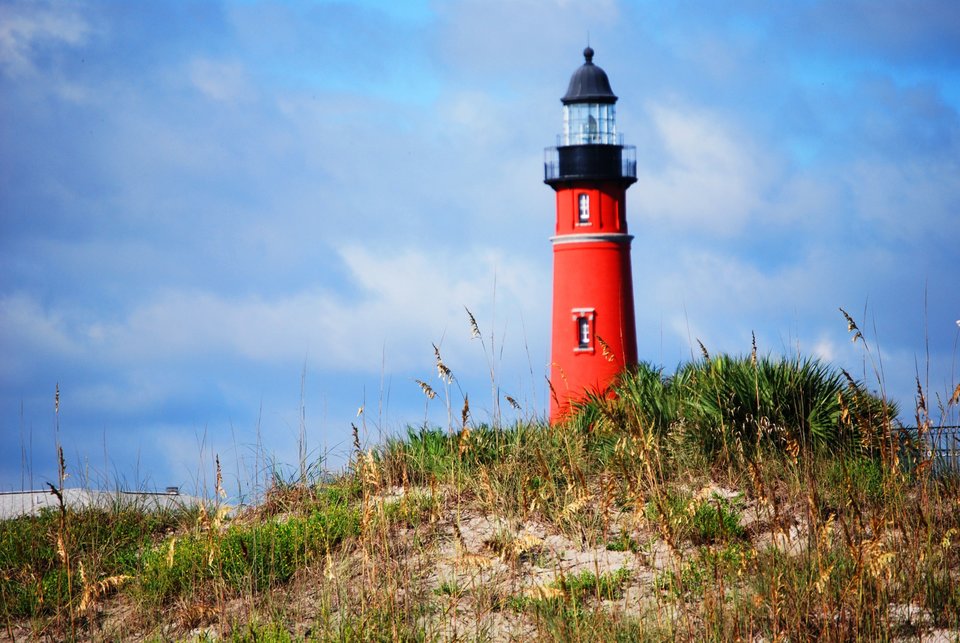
(406, 299)
(825, 349)
(219, 80)
(713, 174)
(28, 332)
(24, 28)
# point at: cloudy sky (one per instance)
(220, 221)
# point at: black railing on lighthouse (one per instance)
(573, 162)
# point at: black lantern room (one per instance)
(589, 147)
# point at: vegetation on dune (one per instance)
(248, 556)
(740, 497)
(105, 543)
(728, 407)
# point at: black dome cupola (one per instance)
(589, 106)
(589, 84)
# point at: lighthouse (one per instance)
(593, 329)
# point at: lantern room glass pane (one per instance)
(590, 124)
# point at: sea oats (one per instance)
(474, 329)
(852, 326)
(427, 389)
(219, 481)
(95, 591)
(443, 372)
(703, 350)
(605, 349)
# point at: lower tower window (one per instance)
(583, 319)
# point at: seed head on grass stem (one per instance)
(852, 326)
(443, 372)
(474, 328)
(218, 485)
(356, 438)
(703, 350)
(605, 349)
(427, 389)
(465, 430)
(553, 391)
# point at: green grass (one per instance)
(568, 617)
(448, 588)
(246, 557)
(716, 519)
(607, 586)
(104, 542)
(623, 542)
(707, 565)
(700, 521)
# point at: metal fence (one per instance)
(944, 445)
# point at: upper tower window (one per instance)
(583, 208)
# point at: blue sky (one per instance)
(208, 207)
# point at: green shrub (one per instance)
(623, 542)
(729, 406)
(716, 519)
(646, 391)
(642, 402)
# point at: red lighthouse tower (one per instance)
(594, 332)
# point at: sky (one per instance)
(231, 230)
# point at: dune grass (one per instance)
(740, 497)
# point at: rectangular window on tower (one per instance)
(583, 332)
(583, 210)
(583, 320)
